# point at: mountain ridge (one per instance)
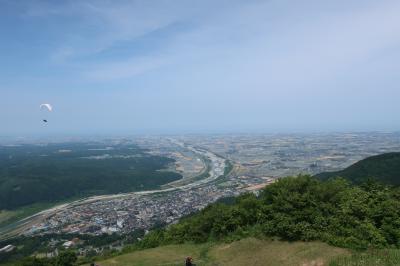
(384, 168)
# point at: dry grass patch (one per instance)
(246, 252)
(252, 251)
(166, 256)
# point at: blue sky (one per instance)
(133, 67)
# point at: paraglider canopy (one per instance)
(47, 106)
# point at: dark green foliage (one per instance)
(40, 244)
(152, 239)
(31, 173)
(31, 261)
(228, 167)
(67, 258)
(384, 168)
(298, 208)
(26, 246)
(227, 200)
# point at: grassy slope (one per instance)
(384, 167)
(167, 255)
(388, 257)
(248, 251)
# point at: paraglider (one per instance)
(46, 107)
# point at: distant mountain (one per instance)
(384, 168)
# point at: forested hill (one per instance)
(54, 172)
(384, 168)
(297, 208)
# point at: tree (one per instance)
(67, 258)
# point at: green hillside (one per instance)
(249, 251)
(297, 208)
(384, 168)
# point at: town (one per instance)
(213, 167)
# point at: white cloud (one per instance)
(103, 24)
(277, 62)
(125, 69)
(249, 39)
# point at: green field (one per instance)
(245, 252)
(7, 217)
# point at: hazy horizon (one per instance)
(172, 67)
